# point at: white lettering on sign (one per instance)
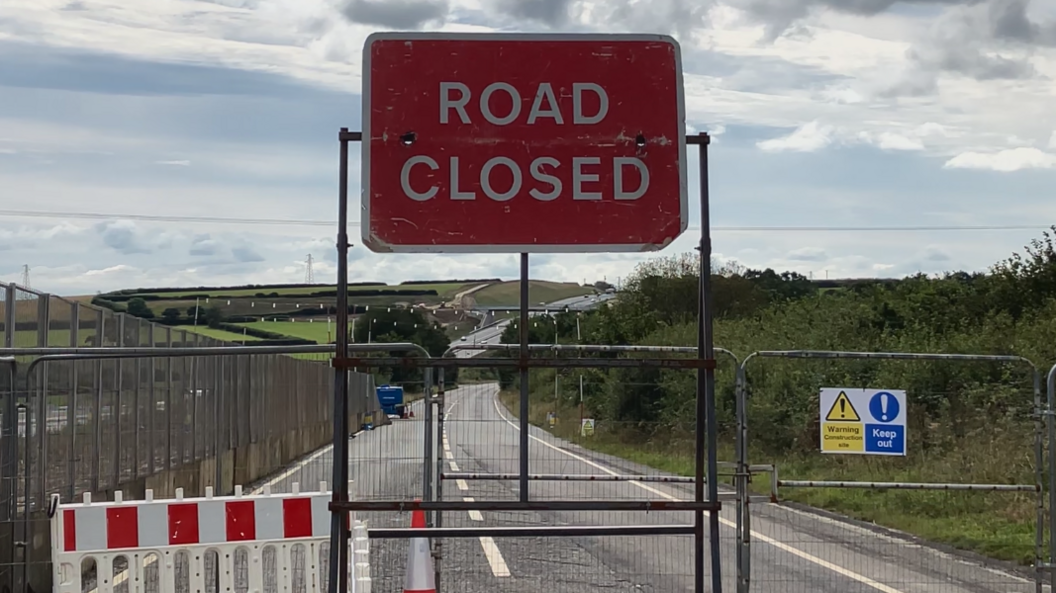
(544, 92)
(485, 103)
(618, 164)
(446, 103)
(577, 103)
(457, 194)
(539, 175)
(405, 178)
(548, 188)
(485, 179)
(884, 434)
(579, 177)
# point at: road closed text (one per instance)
(501, 179)
(559, 144)
(545, 177)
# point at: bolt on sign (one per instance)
(863, 421)
(522, 143)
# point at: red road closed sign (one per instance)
(522, 143)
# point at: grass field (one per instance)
(60, 338)
(997, 525)
(443, 288)
(539, 291)
(219, 334)
(315, 331)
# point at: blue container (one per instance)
(391, 400)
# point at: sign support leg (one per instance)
(705, 421)
(339, 534)
(524, 378)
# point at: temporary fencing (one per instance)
(974, 460)
(588, 519)
(484, 536)
(103, 403)
(264, 542)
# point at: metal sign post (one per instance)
(568, 144)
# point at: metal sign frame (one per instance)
(706, 496)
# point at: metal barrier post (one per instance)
(9, 473)
(1050, 409)
(71, 404)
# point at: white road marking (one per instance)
(491, 549)
(495, 560)
(475, 515)
(781, 546)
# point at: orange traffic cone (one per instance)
(419, 560)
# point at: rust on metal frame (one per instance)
(524, 363)
(530, 505)
(531, 531)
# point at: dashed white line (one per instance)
(781, 546)
(495, 559)
(474, 515)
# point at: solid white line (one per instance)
(462, 485)
(491, 552)
(781, 546)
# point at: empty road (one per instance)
(493, 334)
(792, 551)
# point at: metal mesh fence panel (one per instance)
(969, 481)
(132, 423)
(27, 319)
(639, 449)
(10, 508)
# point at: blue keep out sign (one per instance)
(888, 439)
(883, 407)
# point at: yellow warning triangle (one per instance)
(842, 410)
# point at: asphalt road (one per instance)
(493, 334)
(792, 550)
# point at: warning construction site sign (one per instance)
(863, 421)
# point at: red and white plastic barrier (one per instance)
(189, 540)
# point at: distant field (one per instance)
(60, 338)
(443, 289)
(219, 334)
(315, 331)
(539, 291)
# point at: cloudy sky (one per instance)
(156, 142)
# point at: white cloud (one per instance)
(1014, 159)
(809, 137)
(827, 85)
(891, 141)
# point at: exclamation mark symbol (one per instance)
(843, 408)
(883, 407)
